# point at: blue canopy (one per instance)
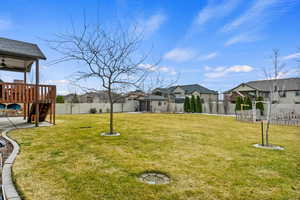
(2, 106)
(14, 107)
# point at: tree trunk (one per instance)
(111, 119)
(111, 123)
(268, 123)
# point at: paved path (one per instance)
(7, 124)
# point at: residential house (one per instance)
(92, 97)
(171, 99)
(285, 91)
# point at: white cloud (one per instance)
(63, 92)
(291, 56)
(207, 68)
(187, 54)
(213, 11)
(259, 13)
(167, 70)
(240, 38)
(208, 56)
(152, 24)
(154, 68)
(221, 71)
(293, 72)
(57, 82)
(149, 67)
(44, 67)
(180, 54)
(5, 24)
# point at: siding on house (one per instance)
(285, 91)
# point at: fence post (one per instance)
(254, 111)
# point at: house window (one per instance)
(159, 103)
(297, 93)
(266, 95)
(89, 99)
(282, 93)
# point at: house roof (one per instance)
(288, 84)
(189, 89)
(154, 97)
(17, 55)
(19, 48)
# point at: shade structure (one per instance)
(38, 100)
(18, 56)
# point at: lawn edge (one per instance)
(8, 188)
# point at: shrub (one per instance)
(193, 104)
(60, 99)
(238, 103)
(198, 105)
(187, 105)
(248, 104)
(93, 110)
(100, 110)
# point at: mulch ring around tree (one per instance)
(154, 178)
(111, 134)
(270, 146)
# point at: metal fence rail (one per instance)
(279, 118)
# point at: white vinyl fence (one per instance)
(81, 108)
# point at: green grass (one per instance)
(207, 157)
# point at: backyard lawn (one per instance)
(206, 157)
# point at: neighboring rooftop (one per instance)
(288, 84)
(189, 89)
(154, 97)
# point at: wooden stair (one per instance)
(43, 112)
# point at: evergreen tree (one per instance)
(60, 99)
(198, 105)
(187, 105)
(238, 103)
(248, 104)
(193, 104)
(260, 105)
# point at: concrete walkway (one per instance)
(7, 124)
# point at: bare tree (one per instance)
(298, 61)
(110, 57)
(275, 89)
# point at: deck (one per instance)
(25, 93)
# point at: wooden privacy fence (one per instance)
(279, 118)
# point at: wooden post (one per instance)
(262, 133)
(24, 95)
(37, 80)
(254, 111)
(54, 105)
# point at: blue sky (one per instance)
(217, 44)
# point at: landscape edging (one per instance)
(8, 187)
